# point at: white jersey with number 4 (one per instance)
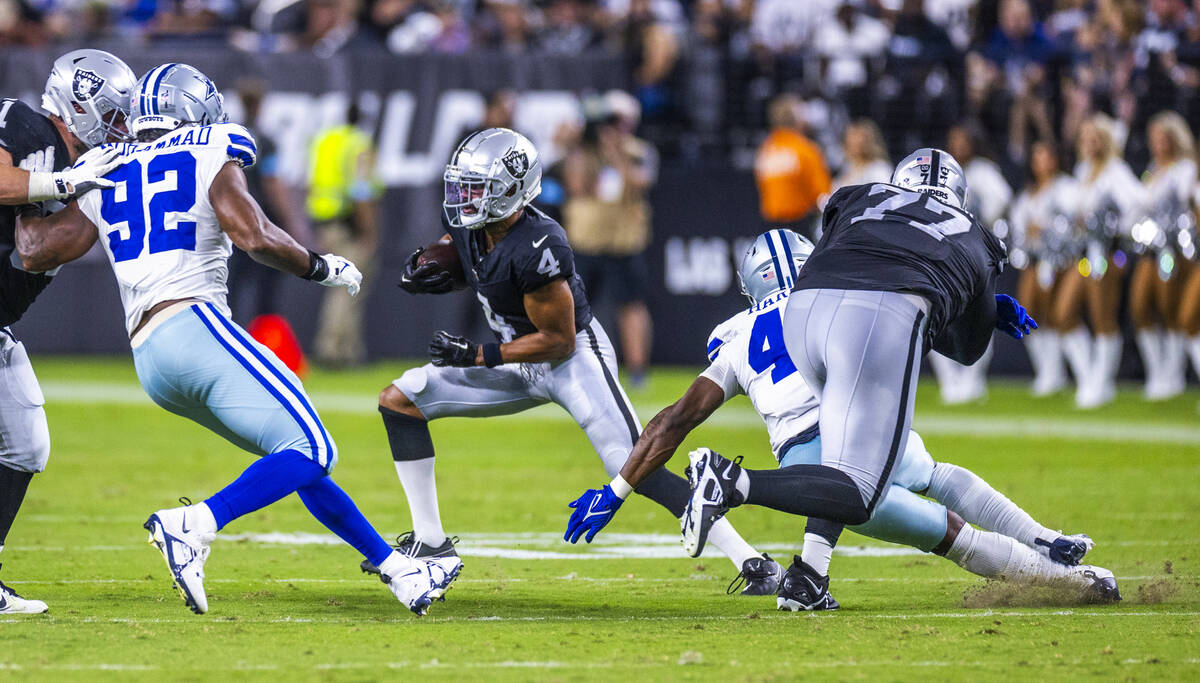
(158, 226)
(747, 356)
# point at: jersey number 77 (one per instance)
(125, 203)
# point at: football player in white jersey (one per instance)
(748, 355)
(178, 205)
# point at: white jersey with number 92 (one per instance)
(747, 355)
(158, 226)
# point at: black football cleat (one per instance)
(408, 545)
(713, 480)
(1068, 550)
(760, 575)
(803, 588)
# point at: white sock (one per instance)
(1150, 347)
(200, 521)
(395, 564)
(1174, 355)
(416, 476)
(1077, 349)
(1035, 346)
(724, 536)
(948, 377)
(817, 553)
(1193, 349)
(1107, 359)
(743, 484)
(995, 556)
(964, 492)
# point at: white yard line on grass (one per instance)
(1061, 427)
(548, 545)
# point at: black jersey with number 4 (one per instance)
(533, 254)
(34, 144)
(885, 238)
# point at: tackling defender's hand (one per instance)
(594, 509)
(449, 350)
(1011, 317)
(87, 174)
(341, 273)
(427, 279)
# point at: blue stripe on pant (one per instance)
(902, 516)
(201, 366)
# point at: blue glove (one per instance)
(1011, 318)
(593, 510)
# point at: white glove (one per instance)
(342, 273)
(87, 174)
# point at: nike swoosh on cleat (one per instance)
(539, 242)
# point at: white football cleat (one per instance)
(11, 603)
(185, 546)
(713, 480)
(1099, 584)
(418, 582)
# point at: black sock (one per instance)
(667, 489)
(13, 484)
(830, 531)
(809, 490)
(407, 435)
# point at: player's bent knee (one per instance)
(396, 401)
(954, 524)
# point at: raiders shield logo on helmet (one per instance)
(86, 84)
(517, 163)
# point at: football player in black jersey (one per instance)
(87, 97)
(548, 347)
(900, 269)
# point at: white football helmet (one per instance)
(89, 90)
(174, 95)
(772, 262)
(493, 174)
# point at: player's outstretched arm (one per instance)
(670, 427)
(240, 216)
(596, 507)
(34, 181)
(47, 243)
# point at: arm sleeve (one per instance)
(967, 337)
(721, 373)
(240, 146)
(549, 262)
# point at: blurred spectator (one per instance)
(439, 29)
(568, 29)
(851, 48)
(504, 25)
(653, 51)
(254, 286)
(1156, 84)
(866, 157)
(343, 200)
(919, 92)
(333, 26)
(1011, 76)
(784, 26)
(790, 170)
(607, 218)
(20, 23)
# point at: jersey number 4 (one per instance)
(916, 209)
(767, 348)
(125, 204)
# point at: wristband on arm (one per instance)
(491, 355)
(318, 270)
(621, 487)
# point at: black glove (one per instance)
(451, 350)
(426, 279)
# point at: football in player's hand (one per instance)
(444, 256)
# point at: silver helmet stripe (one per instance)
(162, 70)
(790, 261)
(771, 237)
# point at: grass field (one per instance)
(287, 601)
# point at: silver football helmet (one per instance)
(174, 95)
(89, 90)
(935, 172)
(493, 174)
(772, 262)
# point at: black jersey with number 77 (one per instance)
(533, 254)
(885, 238)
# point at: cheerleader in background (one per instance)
(1105, 180)
(1042, 222)
(988, 200)
(1156, 284)
(866, 156)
